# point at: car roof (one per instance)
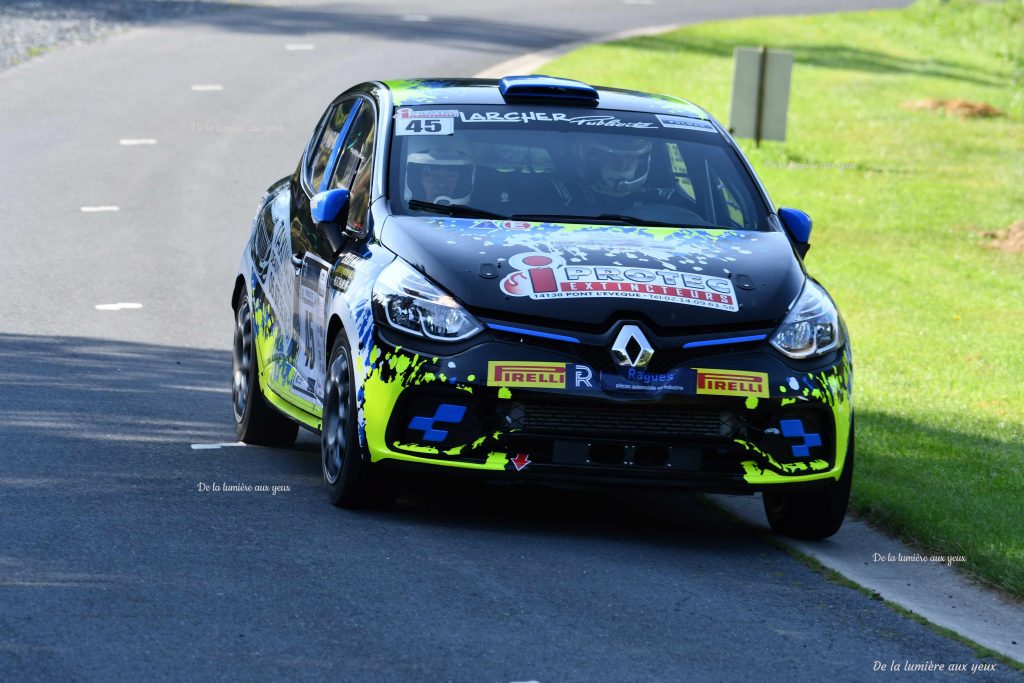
(456, 91)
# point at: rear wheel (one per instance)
(352, 482)
(813, 514)
(255, 421)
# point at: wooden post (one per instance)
(762, 54)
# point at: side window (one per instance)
(321, 154)
(732, 206)
(355, 166)
(740, 215)
(679, 171)
(262, 237)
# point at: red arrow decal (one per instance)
(520, 461)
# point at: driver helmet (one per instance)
(615, 165)
(439, 169)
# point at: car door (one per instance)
(346, 165)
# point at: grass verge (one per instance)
(900, 200)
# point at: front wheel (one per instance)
(255, 421)
(813, 514)
(352, 482)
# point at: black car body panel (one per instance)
(550, 381)
(652, 269)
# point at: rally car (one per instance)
(539, 279)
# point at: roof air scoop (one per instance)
(537, 87)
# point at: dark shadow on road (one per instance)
(125, 416)
(831, 57)
(494, 36)
(659, 516)
(113, 560)
(500, 35)
(54, 389)
(119, 11)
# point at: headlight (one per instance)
(812, 326)
(412, 304)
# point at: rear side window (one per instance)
(321, 153)
(733, 207)
(679, 171)
(355, 166)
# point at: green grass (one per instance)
(898, 198)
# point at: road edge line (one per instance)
(732, 509)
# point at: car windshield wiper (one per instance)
(453, 210)
(633, 220)
(601, 218)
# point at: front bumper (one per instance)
(741, 420)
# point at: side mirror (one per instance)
(798, 227)
(329, 211)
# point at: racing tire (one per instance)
(255, 421)
(812, 515)
(352, 481)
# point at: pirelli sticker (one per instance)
(732, 382)
(533, 375)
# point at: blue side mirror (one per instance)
(327, 207)
(797, 224)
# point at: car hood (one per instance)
(586, 276)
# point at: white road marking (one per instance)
(207, 87)
(300, 46)
(137, 141)
(415, 17)
(209, 390)
(94, 209)
(215, 446)
(116, 307)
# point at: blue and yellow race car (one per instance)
(537, 279)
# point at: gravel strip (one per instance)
(30, 27)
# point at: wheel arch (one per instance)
(334, 328)
(239, 289)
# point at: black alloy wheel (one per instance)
(255, 421)
(352, 482)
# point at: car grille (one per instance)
(636, 421)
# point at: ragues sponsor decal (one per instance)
(546, 276)
(638, 380)
(537, 375)
(732, 382)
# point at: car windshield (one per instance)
(561, 164)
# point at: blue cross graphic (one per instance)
(444, 413)
(794, 429)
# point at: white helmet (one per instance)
(438, 154)
(615, 165)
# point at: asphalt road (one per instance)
(114, 564)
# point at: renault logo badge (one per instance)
(631, 348)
